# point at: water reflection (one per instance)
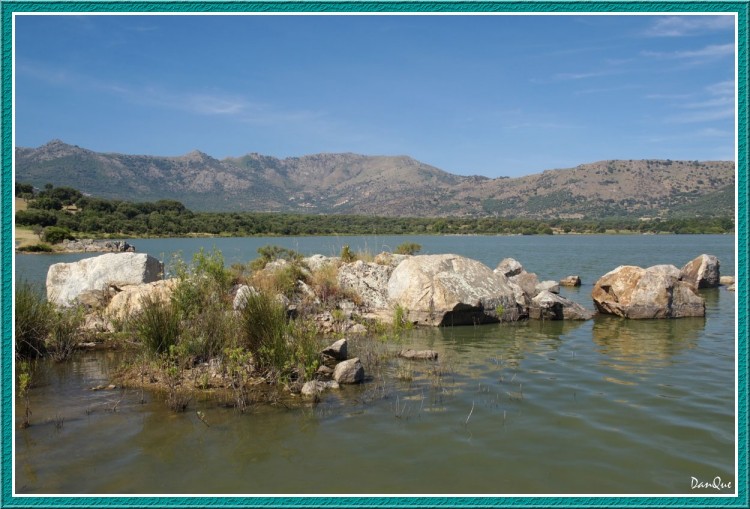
(638, 346)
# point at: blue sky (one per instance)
(487, 95)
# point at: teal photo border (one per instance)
(9, 7)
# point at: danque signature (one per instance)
(716, 484)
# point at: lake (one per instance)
(607, 406)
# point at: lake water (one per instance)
(607, 406)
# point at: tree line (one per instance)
(68, 210)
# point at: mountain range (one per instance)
(385, 185)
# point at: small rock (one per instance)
(244, 292)
(338, 350)
(315, 387)
(731, 287)
(509, 267)
(429, 355)
(349, 372)
(570, 281)
(726, 280)
(324, 373)
(550, 306)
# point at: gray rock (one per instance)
(550, 306)
(731, 288)
(244, 292)
(390, 259)
(318, 261)
(130, 299)
(337, 350)
(66, 281)
(315, 387)
(549, 286)
(527, 281)
(368, 280)
(430, 355)
(451, 290)
(509, 267)
(702, 272)
(324, 373)
(634, 292)
(349, 372)
(570, 281)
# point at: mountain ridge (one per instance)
(349, 183)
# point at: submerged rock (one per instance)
(635, 292)
(66, 281)
(315, 387)
(550, 306)
(702, 272)
(429, 355)
(451, 290)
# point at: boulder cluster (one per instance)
(436, 290)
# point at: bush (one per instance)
(408, 248)
(34, 316)
(271, 253)
(63, 338)
(263, 328)
(157, 326)
(36, 248)
(56, 234)
(347, 256)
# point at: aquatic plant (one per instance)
(33, 319)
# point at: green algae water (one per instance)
(607, 406)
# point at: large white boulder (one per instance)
(451, 290)
(656, 292)
(66, 281)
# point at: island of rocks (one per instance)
(425, 290)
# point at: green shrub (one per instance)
(347, 256)
(56, 234)
(263, 329)
(209, 332)
(271, 253)
(203, 283)
(36, 248)
(157, 325)
(408, 248)
(33, 320)
(64, 334)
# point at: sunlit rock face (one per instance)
(655, 292)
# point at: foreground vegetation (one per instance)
(58, 213)
(197, 338)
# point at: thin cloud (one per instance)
(717, 103)
(709, 52)
(682, 26)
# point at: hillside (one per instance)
(385, 185)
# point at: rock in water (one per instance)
(451, 290)
(550, 306)
(337, 350)
(66, 281)
(427, 355)
(571, 281)
(656, 292)
(702, 272)
(349, 372)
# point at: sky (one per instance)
(473, 95)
